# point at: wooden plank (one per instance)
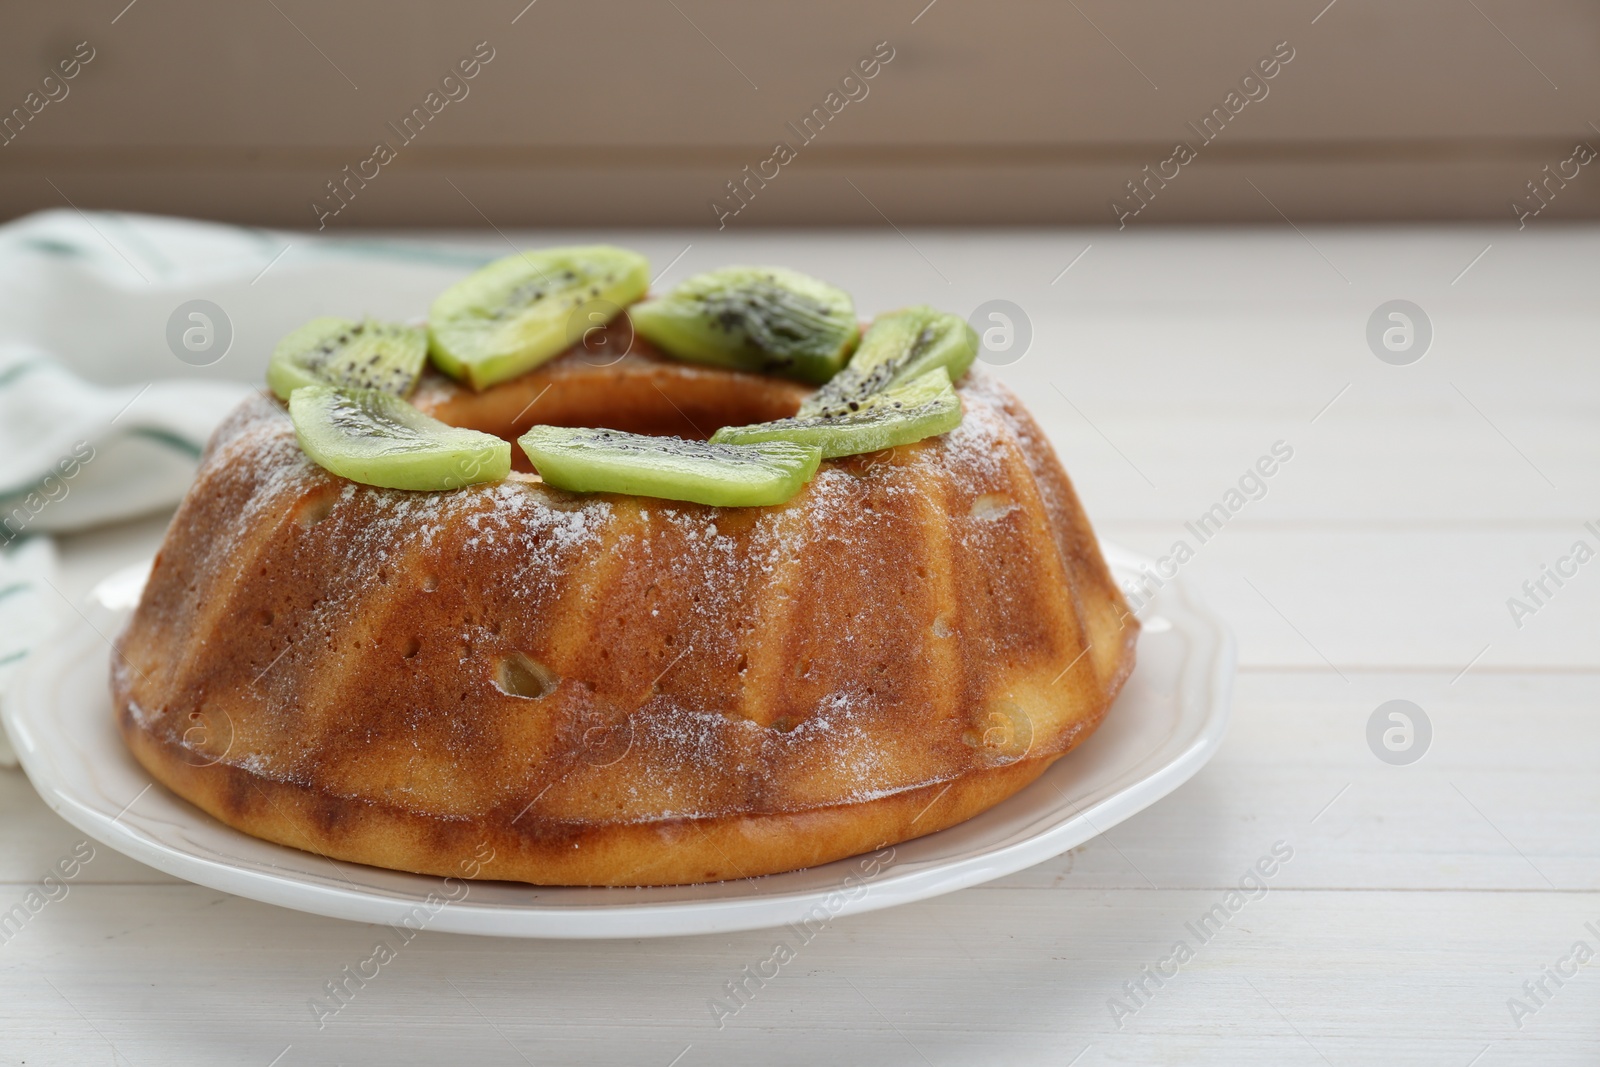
(1503, 799)
(985, 976)
(1415, 598)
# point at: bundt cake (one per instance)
(607, 689)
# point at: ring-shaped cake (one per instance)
(600, 689)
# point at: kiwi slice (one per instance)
(376, 438)
(764, 319)
(923, 407)
(357, 355)
(610, 461)
(517, 312)
(898, 347)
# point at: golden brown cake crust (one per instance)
(612, 690)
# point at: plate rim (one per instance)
(641, 919)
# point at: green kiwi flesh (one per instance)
(356, 355)
(671, 468)
(900, 415)
(376, 438)
(514, 314)
(898, 347)
(763, 319)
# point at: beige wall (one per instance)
(639, 113)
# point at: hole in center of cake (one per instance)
(640, 393)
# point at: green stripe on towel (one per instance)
(18, 370)
(171, 440)
(443, 257)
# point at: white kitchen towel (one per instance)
(74, 454)
(124, 340)
(29, 608)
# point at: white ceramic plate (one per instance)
(1168, 721)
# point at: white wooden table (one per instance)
(1378, 565)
